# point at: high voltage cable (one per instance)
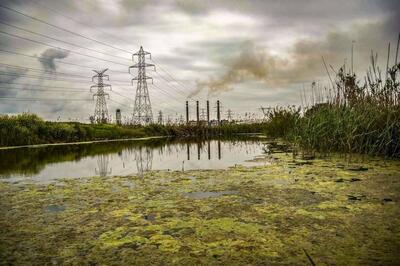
(124, 81)
(182, 94)
(117, 37)
(73, 81)
(41, 70)
(60, 28)
(42, 43)
(57, 73)
(55, 39)
(42, 99)
(63, 29)
(56, 47)
(44, 86)
(49, 90)
(61, 62)
(170, 75)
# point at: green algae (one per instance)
(277, 210)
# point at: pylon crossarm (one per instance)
(93, 86)
(152, 80)
(135, 78)
(134, 66)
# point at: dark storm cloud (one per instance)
(48, 58)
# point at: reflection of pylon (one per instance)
(100, 111)
(203, 114)
(102, 164)
(142, 113)
(144, 160)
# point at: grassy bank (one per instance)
(29, 129)
(353, 117)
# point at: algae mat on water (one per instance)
(339, 213)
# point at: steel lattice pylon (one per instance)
(101, 110)
(142, 113)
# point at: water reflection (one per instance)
(102, 164)
(200, 149)
(124, 158)
(144, 160)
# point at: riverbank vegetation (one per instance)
(354, 117)
(29, 129)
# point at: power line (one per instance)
(63, 29)
(55, 47)
(158, 65)
(55, 39)
(41, 99)
(60, 62)
(170, 75)
(55, 73)
(174, 88)
(39, 85)
(49, 90)
(67, 80)
(42, 70)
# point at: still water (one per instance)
(49, 163)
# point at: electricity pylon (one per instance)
(229, 114)
(160, 117)
(100, 111)
(142, 113)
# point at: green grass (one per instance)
(355, 118)
(29, 129)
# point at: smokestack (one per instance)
(218, 112)
(208, 112)
(187, 112)
(197, 112)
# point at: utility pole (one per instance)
(208, 112)
(218, 112)
(100, 110)
(197, 112)
(187, 112)
(142, 113)
(160, 117)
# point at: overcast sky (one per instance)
(245, 53)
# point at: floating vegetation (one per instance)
(239, 216)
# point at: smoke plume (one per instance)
(48, 58)
(252, 63)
